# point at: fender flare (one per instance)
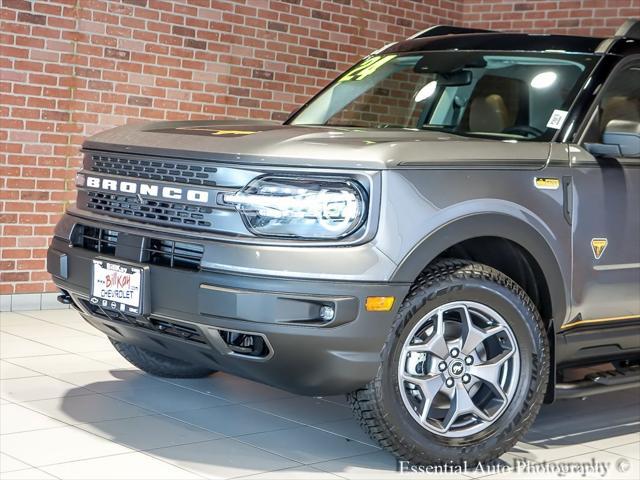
(491, 225)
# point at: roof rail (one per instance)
(629, 29)
(446, 30)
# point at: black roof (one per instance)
(498, 41)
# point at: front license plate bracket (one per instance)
(120, 286)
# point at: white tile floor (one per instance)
(71, 407)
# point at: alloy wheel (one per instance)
(458, 369)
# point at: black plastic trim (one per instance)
(595, 384)
(499, 41)
(491, 224)
(594, 344)
(438, 30)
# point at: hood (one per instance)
(262, 143)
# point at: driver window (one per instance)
(620, 102)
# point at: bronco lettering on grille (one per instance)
(152, 190)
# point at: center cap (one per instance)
(456, 368)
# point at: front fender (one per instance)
(482, 224)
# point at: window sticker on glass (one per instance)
(367, 67)
(557, 119)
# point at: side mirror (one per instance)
(621, 138)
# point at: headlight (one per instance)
(323, 208)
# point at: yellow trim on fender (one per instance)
(598, 320)
(547, 183)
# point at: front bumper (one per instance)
(304, 354)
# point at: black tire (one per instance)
(159, 365)
(379, 407)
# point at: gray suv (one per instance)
(443, 234)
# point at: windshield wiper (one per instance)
(346, 125)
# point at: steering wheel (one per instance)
(524, 130)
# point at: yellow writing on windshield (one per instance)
(367, 67)
(233, 132)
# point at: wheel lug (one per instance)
(468, 360)
(454, 353)
(449, 382)
(442, 366)
(466, 378)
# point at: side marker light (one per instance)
(379, 304)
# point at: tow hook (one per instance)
(65, 298)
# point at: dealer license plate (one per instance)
(116, 286)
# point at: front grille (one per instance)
(100, 240)
(174, 254)
(167, 192)
(160, 169)
(179, 214)
(155, 251)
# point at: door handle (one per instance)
(567, 199)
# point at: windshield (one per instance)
(521, 96)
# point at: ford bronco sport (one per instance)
(441, 233)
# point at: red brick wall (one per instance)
(69, 68)
(577, 17)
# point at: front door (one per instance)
(606, 209)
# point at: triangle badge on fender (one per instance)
(598, 246)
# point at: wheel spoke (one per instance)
(461, 404)
(436, 344)
(429, 385)
(430, 388)
(489, 372)
(417, 347)
(472, 335)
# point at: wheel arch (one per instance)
(493, 228)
